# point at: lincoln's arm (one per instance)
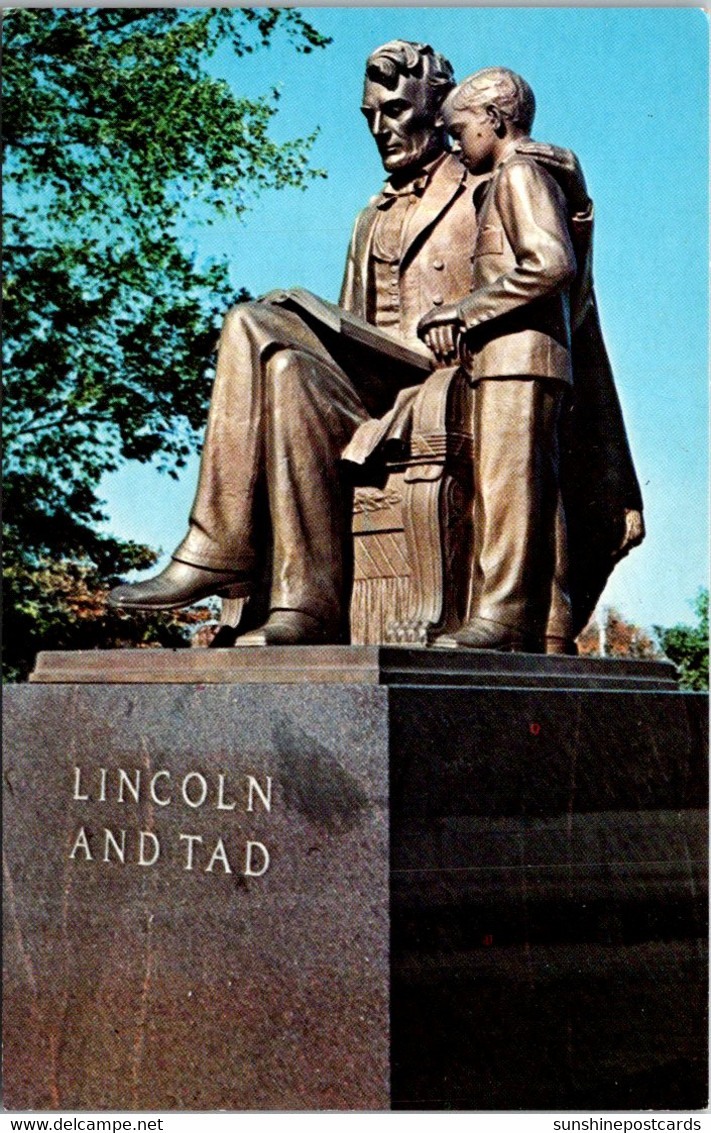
(347, 296)
(353, 296)
(533, 211)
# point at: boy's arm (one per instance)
(533, 213)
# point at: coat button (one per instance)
(437, 300)
(438, 264)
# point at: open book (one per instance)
(352, 328)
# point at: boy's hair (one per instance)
(387, 64)
(499, 87)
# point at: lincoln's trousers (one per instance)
(520, 551)
(282, 411)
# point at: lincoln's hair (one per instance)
(389, 63)
(499, 87)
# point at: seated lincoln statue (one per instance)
(274, 495)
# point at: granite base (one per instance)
(549, 918)
(199, 980)
(485, 885)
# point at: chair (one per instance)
(412, 526)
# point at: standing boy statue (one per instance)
(513, 334)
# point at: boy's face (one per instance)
(474, 132)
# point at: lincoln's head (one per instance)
(405, 86)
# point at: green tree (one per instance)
(116, 138)
(63, 604)
(688, 646)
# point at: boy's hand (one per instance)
(439, 329)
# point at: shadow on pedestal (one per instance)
(548, 895)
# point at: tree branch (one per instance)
(71, 416)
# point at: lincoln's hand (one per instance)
(634, 533)
(565, 167)
(440, 329)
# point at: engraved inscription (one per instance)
(162, 788)
(192, 791)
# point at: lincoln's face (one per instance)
(402, 121)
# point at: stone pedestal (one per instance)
(348, 878)
(201, 980)
(548, 899)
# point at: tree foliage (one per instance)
(62, 604)
(116, 138)
(688, 646)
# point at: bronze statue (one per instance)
(515, 335)
(284, 406)
(294, 392)
(514, 328)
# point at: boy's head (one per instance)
(487, 110)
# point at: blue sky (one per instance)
(626, 88)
